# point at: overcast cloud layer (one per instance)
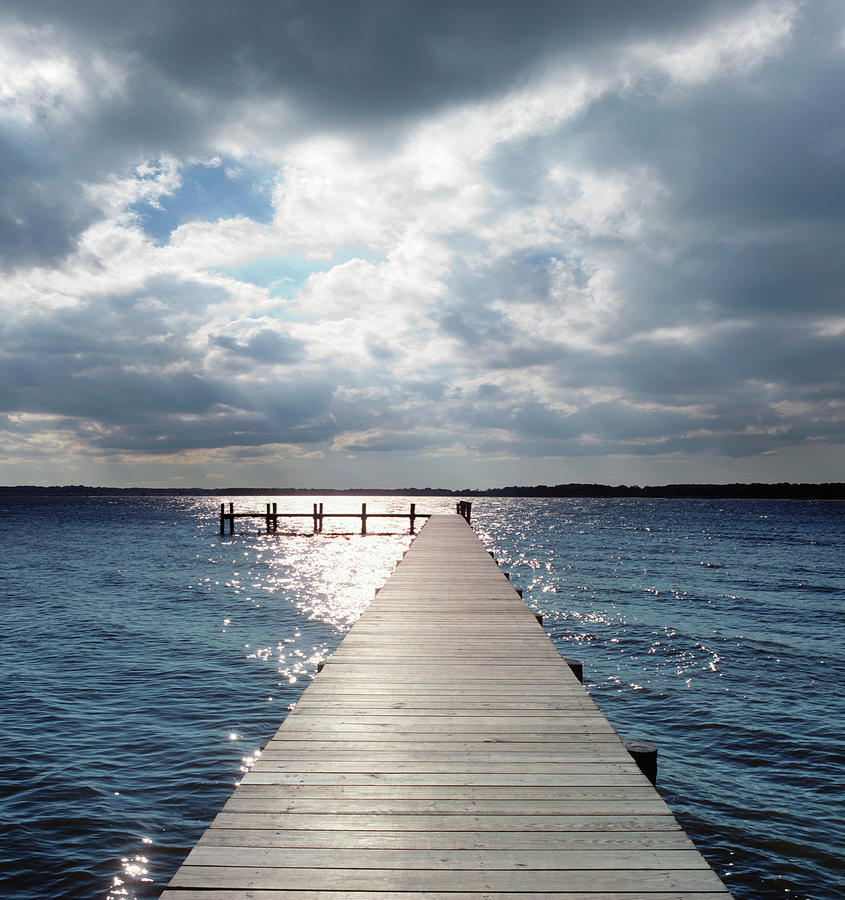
(403, 243)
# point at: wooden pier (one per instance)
(272, 515)
(446, 751)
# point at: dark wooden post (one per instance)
(576, 667)
(267, 519)
(314, 514)
(222, 518)
(231, 518)
(363, 518)
(413, 516)
(644, 754)
(321, 518)
(275, 518)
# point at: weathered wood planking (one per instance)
(445, 751)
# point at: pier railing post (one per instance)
(413, 516)
(363, 518)
(321, 518)
(315, 515)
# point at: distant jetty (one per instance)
(834, 490)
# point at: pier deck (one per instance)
(445, 751)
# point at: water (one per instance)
(146, 659)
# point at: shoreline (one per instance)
(743, 491)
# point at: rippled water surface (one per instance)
(145, 659)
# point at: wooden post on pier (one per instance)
(413, 516)
(271, 518)
(316, 519)
(230, 517)
(321, 518)
(363, 518)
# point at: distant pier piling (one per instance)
(318, 515)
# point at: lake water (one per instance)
(145, 659)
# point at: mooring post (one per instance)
(576, 667)
(314, 515)
(275, 518)
(413, 516)
(222, 518)
(644, 754)
(363, 518)
(267, 518)
(231, 518)
(321, 518)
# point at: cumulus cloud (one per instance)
(452, 238)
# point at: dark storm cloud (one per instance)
(295, 414)
(352, 60)
(265, 346)
(40, 213)
(123, 372)
(135, 328)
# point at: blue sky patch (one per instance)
(283, 276)
(209, 193)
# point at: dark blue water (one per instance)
(145, 660)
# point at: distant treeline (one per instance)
(757, 491)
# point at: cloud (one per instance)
(448, 234)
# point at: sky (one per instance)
(389, 243)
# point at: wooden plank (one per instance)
(639, 881)
(296, 894)
(378, 789)
(444, 751)
(515, 752)
(599, 777)
(579, 820)
(445, 806)
(585, 769)
(221, 836)
(499, 860)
